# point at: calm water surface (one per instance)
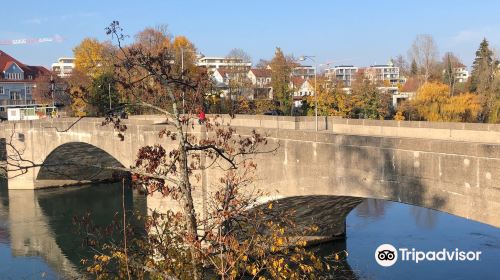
(38, 240)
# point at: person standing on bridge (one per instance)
(201, 117)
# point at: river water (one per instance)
(38, 240)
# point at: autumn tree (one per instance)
(368, 101)
(333, 100)
(230, 241)
(92, 57)
(281, 71)
(153, 39)
(184, 54)
(424, 52)
(51, 89)
(79, 85)
(434, 102)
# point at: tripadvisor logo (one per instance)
(387, 255)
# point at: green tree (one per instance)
(103, 94)
(368, 102)
(483, 82)
(281, 70)
(482, 68)
(413, 68)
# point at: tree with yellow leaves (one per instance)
(92, 57)
(330, 99)
(435, 103)
(184, 54)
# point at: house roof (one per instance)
(6, 61)
(297, 81)
(8, 65)
(261, 73)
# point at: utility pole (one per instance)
(109, 95)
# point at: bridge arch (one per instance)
(76, 163)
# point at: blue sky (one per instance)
(342, 32)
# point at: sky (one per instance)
(358, 32)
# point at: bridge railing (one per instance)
(470, 132)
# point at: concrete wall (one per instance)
(457, 177)
(460, 177)
(469, 132)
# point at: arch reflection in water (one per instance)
(40, 223)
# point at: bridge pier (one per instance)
(19, 158)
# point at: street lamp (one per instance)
(182, 75)
(109, 94)
(52, 89)
(303, 58)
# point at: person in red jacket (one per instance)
(201, 117)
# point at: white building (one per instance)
(302, 88)
(399, 97)
(461, 74)
(344, 73)
(387, 74)
(220, 77)
(64, 66)
(260, 77)
(304, 72)
(214, 62)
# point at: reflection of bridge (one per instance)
(451, 167)
(40, 223)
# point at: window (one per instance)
(1, 90)
(28, 90)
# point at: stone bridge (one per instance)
(451, 167)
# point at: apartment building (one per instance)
(214, 62)
(64, 66)
(461, 74)
(387, 74)
(304, 72)
(343, 73)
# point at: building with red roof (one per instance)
(17, 81)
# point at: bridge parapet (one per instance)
(469, 132)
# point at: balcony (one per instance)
(20, 102)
